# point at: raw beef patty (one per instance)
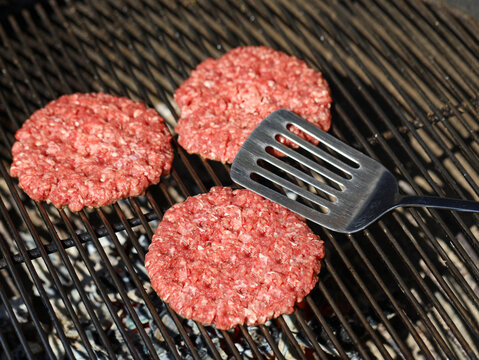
(224, 99)
(232, 257)
(90, 150)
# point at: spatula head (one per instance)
(331, 184)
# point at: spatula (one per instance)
(331, 184)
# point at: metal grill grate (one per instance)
(404, 77)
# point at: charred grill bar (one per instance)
(404, 77)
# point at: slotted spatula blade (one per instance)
(331, 184)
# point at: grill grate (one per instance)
(404, 77)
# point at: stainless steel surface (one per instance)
(345, 190)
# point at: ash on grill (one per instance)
(141, 310)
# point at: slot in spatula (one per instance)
(331, 184)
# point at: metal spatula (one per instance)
(331, 184)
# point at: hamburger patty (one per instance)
(224, 99)
(90, 150)
(231, 257)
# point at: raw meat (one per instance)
(224, 99)
(90, 150)
(231, 257)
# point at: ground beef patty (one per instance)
(232, 257)
(225, 98)
(90, 150)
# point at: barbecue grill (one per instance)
(404, 77)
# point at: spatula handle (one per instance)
(437, 202)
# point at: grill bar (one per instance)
(117, 320)
(390, 297)
(84, 256)
(10, 312)
(53, 274)
(272, 343)
(427, 322)
(371, 300)
(53, 34)
(5, 347)
(141, 253)
(68, 242)
(337, 345)
(26, 298)
(122, 291)
(395, 99)
(28, 263)
(362, 351)
(88, 305)
(362, 318)
(136, 279)
(304, 327)
(251, 343)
